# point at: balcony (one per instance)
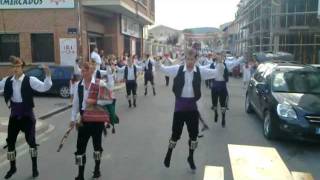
(130, 8)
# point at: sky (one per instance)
(181, 14)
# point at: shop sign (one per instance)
(68, 51)
(130, 27)
(36, 4)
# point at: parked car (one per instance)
(287, 97)
(60, 75)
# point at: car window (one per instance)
(38, 73)
(268, 70)
(279, 84)
(57, 73)
(297, 82)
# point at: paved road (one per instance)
(137, 149)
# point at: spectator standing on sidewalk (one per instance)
(246, 75)
(18, 95)
(187, 89)
(96, 58)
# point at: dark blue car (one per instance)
(61, 76)
(287, 97)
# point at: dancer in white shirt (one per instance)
(187, 89)
(18, 94)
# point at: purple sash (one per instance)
(185, 104)
(19, 110)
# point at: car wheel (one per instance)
(248, 106)
(64, 92)
(269, 128)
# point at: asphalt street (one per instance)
(137, 149)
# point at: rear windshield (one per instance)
(296, 82)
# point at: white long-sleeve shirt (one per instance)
(167, 62)
(35, 84)
(96, 57)
(187, 91)
(130, 71)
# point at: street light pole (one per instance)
(80, 50)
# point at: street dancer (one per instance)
(18, 95)
(187, 89)
(86, 129)
(149, 74)
(219, 89)
(130, 77)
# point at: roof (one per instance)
(202, 30)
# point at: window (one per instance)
(9, 45)
(144, 2)
(36, 72)
(42, 47)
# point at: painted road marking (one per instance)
(254, 162)
(301, 176)
(213, 173)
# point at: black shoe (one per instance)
(216, 118)
(96, 174)
(129, 104)
(191, 163)
(35, 173)
(79, 178)
(134, 104)
(11, 172)
(223, 122)
(167, 159)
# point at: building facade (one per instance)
(57, 31)
(163, 39)
(279, 25)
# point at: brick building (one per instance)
(57, 31)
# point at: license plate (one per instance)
(317, 130)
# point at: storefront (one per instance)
(58, 31)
